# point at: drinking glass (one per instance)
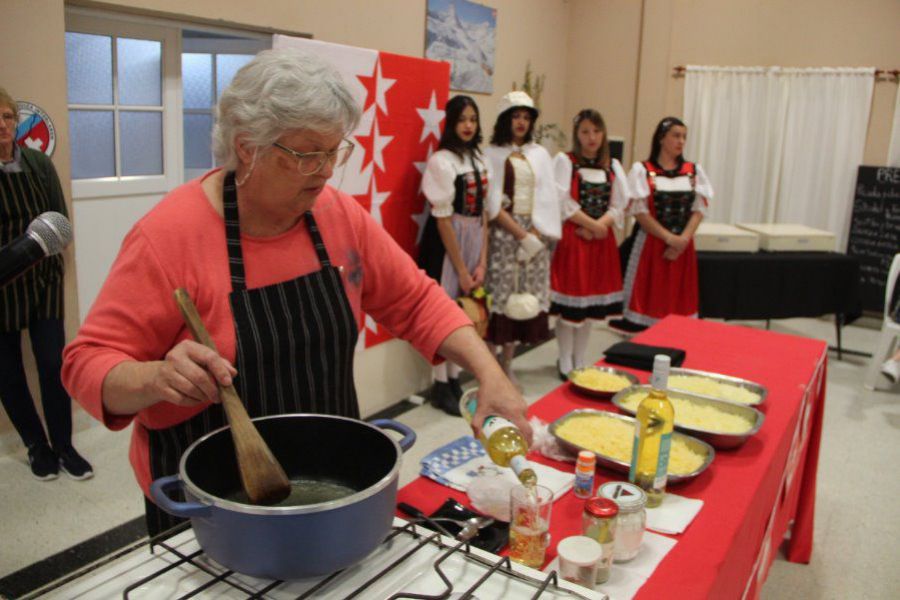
(529, 525)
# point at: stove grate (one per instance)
(501, 566)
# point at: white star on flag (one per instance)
(432, 117)
(34, 144)
(378, 199)
(421, 218)
(382, 85)
(378, 144)
(420, 166)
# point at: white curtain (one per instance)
(894, 148)
(780, 145)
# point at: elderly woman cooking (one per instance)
(281, 268)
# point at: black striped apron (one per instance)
(295, 347)
(37, 293)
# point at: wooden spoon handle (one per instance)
(262, 476)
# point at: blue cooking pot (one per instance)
(292, 542)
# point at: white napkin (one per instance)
(625, 579)
(674, 514)
(558, 481)
(463, 461)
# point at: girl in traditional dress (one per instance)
(670, 197)
(585, 276)
(523, 206)
(454, 244)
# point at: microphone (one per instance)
(47, 235)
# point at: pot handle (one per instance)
(159, 491)
(409, 436)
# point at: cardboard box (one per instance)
(790, 237)
(720, 237)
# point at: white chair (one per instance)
(890, 329)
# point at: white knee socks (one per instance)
(440, 372)
(453, 370)
(579, 347)
(565, 338)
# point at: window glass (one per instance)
(196, 73)
(140, 134)
(139, 67)
(89, 68)
(93, 145)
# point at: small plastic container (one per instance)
(579, 558)
(585, 469)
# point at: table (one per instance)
(777, 285)
(780, 285)
(753, 495)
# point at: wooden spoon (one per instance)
(261, 475)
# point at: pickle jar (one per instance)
(631, 520)
(599, 523)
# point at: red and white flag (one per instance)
(402, 99)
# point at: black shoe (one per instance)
(625, 326)
(442, 397)
(455, 388)
(74, 465)
(559, 372)
(43, 461)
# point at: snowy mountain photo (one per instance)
(462, 33)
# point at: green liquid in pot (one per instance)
(303, 492)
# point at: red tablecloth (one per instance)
(752, 495)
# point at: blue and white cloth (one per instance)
(461, 461)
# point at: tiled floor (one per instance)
(857, 515)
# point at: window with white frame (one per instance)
(141, 94)
(208, 64)
(123, 106)
(115, 105)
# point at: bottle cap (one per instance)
(586, 457)
(601, 507)
(660, 377)
(627, 495)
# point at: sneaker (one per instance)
(43, 461)
(625, 326)
(891, 370)
(74, 465)
(442, 397)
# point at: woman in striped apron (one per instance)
(282, 269)
(33, 301)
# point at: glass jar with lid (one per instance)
(599, 523)
(631, 520)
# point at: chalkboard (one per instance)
(875, 230)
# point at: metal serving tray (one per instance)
(717, 439)
(600, 393)
(698, 446)
(735, 381)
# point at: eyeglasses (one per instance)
(310, 163)
(8, 117)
